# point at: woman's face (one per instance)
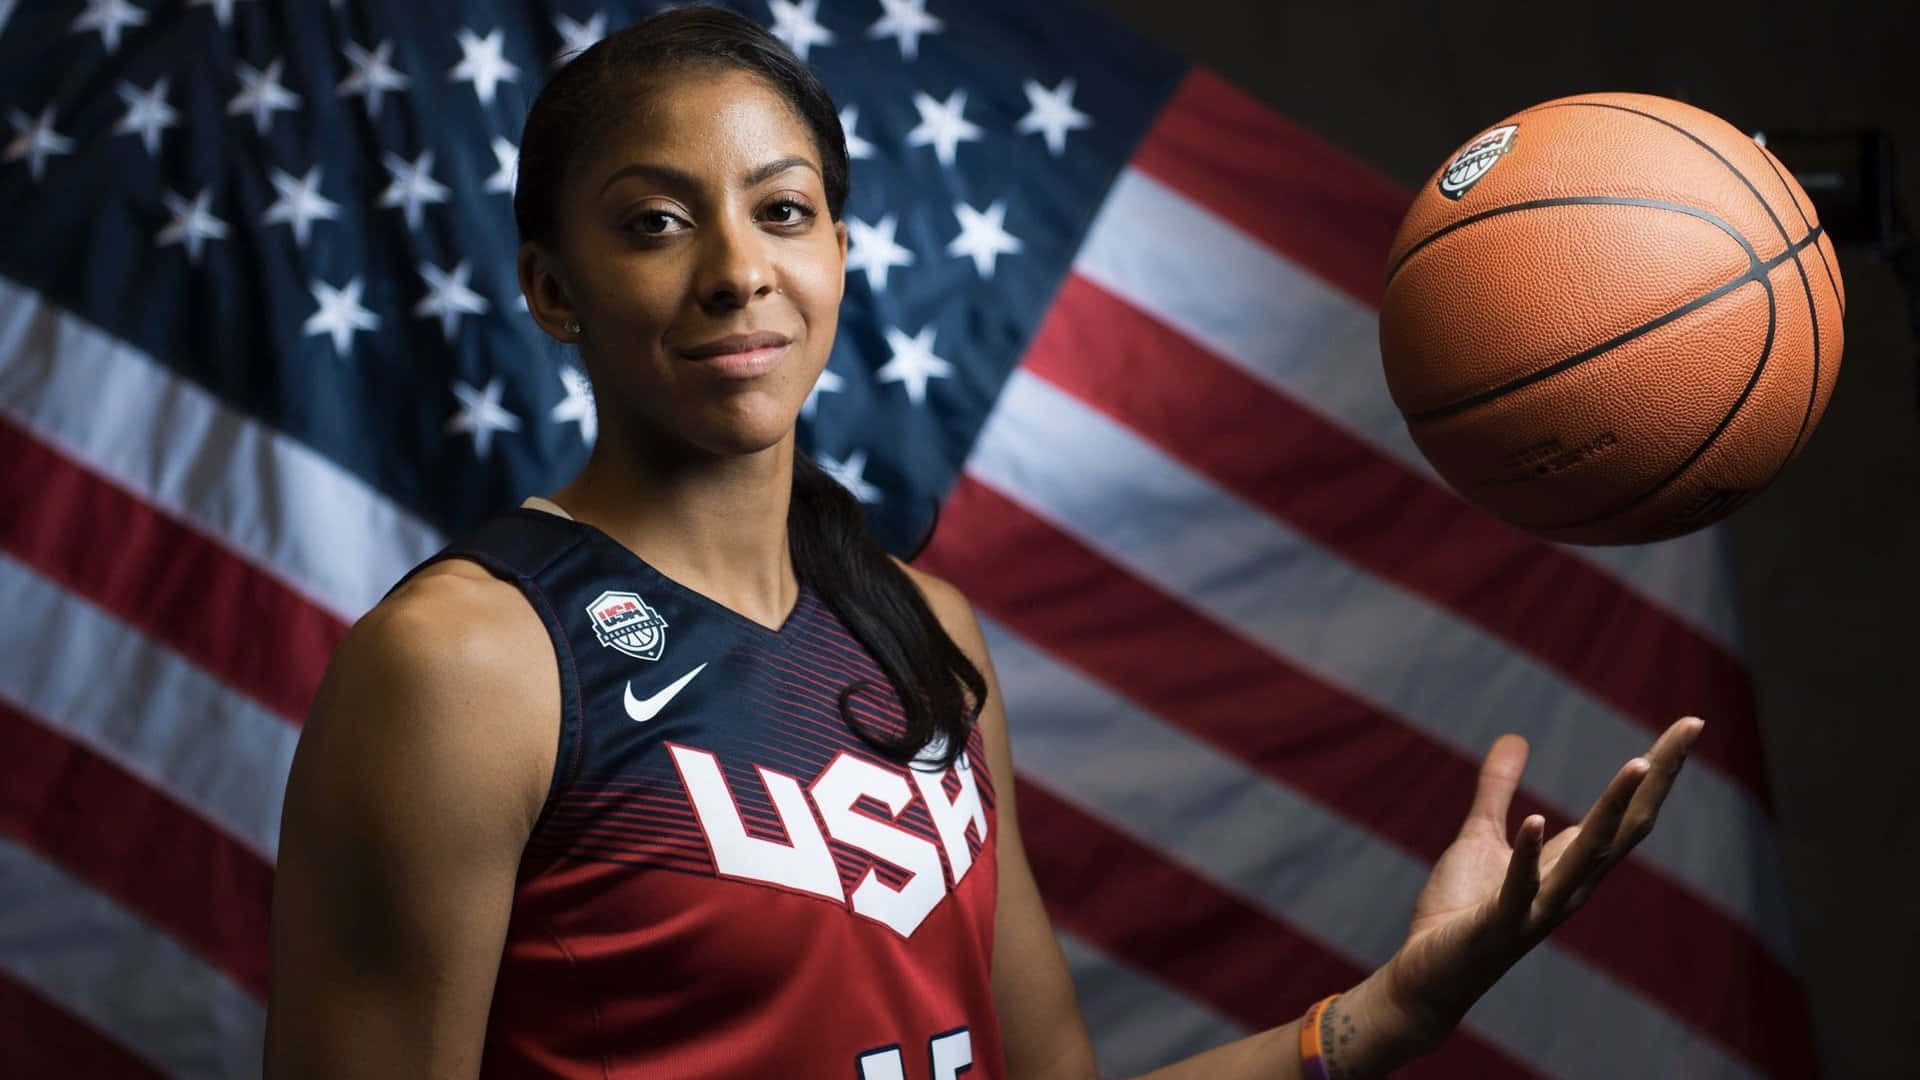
(698, 257)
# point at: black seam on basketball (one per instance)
(1813, 320)
(1759, 271)
(1778, 226)
(1755, 268)
(1751, 187)
(1569, 200)
(1774, 164)
(1766, 353)
(1833, 279)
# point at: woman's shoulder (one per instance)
(949, 605)
(453, 674)
(452, 627)
(455, 611)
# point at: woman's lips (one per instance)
(745, 363)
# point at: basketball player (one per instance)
(677, 774)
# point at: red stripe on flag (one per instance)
(103, 825)
(1650, 932)
(172, 582)
(1277, 182)
(1287, 460)
(38, 1038)
(1214, 947)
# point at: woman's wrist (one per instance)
(1366, 1032)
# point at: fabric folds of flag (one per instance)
(1107, 350)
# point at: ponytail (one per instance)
(940, 690)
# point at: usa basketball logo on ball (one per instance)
(1474, 159)
(623, 621)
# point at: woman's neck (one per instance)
(717, 525)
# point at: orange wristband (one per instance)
(1313, 1059)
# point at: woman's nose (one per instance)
(736, 266)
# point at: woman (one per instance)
(677, 773)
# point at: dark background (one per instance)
(1827, 560)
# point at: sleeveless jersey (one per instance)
(724, 880)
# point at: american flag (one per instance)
(1109, 333)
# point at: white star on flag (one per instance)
(147, 113)
(448, 297)
(222, 9)
(942, 125)
(871, 248)
(578, 37)
(480, 415)
(109, 17)
(857, 147)
(848, 474)
(300, 204)
(1052, 113)
(795, 24)
(35, 140)
(906, 20)
(262, 95)
(577, 406)
(371, 75)
(340, 314)
(827, 383)
(507, 157)
(413, 186)
(983, 236)
(482, 64)
(193, 223)
(913, 363)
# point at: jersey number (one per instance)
(949, 1054)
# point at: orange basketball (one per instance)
(1611, 318)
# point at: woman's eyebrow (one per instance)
(662, 174)
(775, 168)
(672, 177)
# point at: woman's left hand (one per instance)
(1487, 901)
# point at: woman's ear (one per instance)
(548, 301)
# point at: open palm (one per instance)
(1488, 901)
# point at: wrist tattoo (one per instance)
(1336, 1032)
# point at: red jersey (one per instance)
(725, 881)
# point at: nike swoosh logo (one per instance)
(645, 709)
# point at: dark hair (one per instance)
(940, 690)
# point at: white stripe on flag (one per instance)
(1076, 468)
(273, 499)
(145, 708)
(101, 963)
(1304, 865)
(1287, 328)
(1138, 1022)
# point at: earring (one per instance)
(572, 327)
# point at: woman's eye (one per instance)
(788, 212)
(652, 222)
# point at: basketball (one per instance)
(1611, 319)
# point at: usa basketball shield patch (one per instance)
(1474, 159)
(622, 620)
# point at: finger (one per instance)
(1499, 778)
(1669, 753)
(1592, 847)
(1523, 872)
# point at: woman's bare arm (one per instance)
(419, 774)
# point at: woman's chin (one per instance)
(740, 436)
